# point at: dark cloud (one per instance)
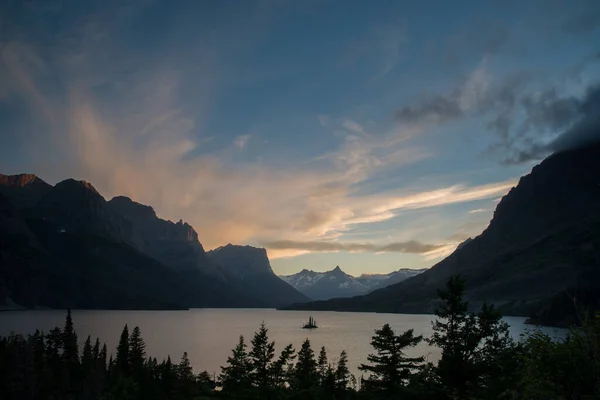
(438, 108)
(580, 117)
(411, 246)
(548, 111)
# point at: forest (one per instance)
(479, 360)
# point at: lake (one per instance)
(208, 335)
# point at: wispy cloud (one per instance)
(478, 210)
(328, 246)
(241, 141)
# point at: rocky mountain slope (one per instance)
(542, 241)
(249, 270)
(66, 246)
(337, 283)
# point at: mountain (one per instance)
(66, 246)
(248, 269)
(174, 244)
(325, 285)
(378, 281)
(541, 244)
(23, 190)
(336, 283)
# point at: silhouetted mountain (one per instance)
(336, 283)
(248, 269)
(23, 190)
(174, 244)
(70, 249)
(544, 236)
(77, 207)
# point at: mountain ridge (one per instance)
(337, 283)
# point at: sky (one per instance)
(371, 135)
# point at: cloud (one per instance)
(578, 118)
(478, 210)
(241, 141)
(412, 246)
(442, 108)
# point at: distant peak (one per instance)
(73, 183)
(132, 209)
(337, 269)
(122, 199)
(20, 180)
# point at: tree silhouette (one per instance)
(305, 375)
(261, 356)
(390, 369)
(122, 360)
(234, 376)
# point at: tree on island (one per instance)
(311, 324)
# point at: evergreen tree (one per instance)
(305, 372)
(122, 360)
(96, 351)
(102, 358)
(184, 369)
(40, 362)
(342, 373)
(234, 376)
(322, 365)
(282, 368)
(390, 368)
(56, 366)
(186, 381)
(87, 357)
(71, 352)
(475, 347)
(137, 351)
(261, 357)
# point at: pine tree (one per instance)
(474, 346)
(122, 360)
(40, 361)
(282, 368)
(322, 365)
(390, 369)
(71, 352)
(305, 372)
(137, 351)
(234, 376)
(87, 357)
(342, 373)
(184, 369)
(102, 358)
(261, 357)
(186, 380)
(96, 350)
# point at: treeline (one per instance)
(479, 360)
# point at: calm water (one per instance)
(208, 335)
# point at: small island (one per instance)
(311, 324)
